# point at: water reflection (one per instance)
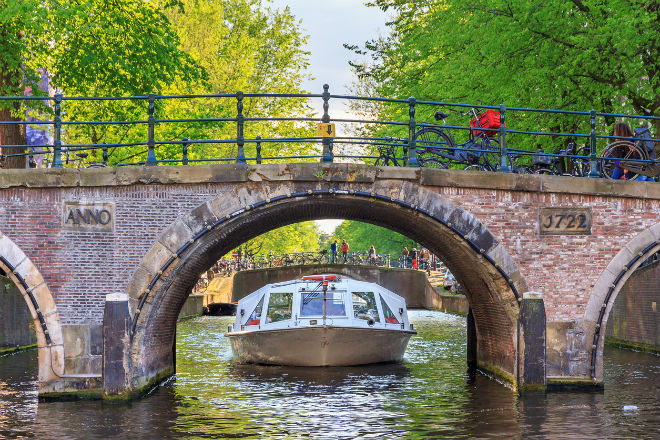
(430, 395)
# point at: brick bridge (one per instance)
(70, 237)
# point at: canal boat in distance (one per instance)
(320, 320)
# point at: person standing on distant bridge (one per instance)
(344, 250)
(333, 251)
(372, 255)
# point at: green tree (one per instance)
(89, 48)
(297, 237)
(360, 236)
(243, 45)
(557, 54)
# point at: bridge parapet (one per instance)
(324, 174)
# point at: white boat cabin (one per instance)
(300, 303)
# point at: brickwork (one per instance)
(635, 315)
(158, 209)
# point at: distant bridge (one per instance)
(75, 241)
(411, 284)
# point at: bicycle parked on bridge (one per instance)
(437, 147)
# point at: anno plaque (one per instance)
(89, 216)
(565, 221)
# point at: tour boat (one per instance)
(320, 320)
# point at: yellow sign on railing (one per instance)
(326, 129)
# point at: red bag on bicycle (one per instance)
(490, 119)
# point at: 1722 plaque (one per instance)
(565, 221)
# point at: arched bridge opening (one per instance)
(492, 282)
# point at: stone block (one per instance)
(176, 235)
(11, 252)
(199, 218)
(139, 281)
(96, 365)
(54, 328)
(399, 173)
(96, 339)
(156, 258)
(76, 340)
(641, 241)
(98, 176)
(29, 273)
(76, 365)
(39, 178)
(44, 299)
(51, 363)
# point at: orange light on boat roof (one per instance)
(320, 278)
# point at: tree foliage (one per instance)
(557, 54)
(135, 47)
(297, 237)
(360, 236)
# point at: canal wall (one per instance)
(410, 284)
(16, 325)
(456, 304)
(634, 320)
(192, 307)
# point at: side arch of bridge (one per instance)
(25, 275)
(170, 269)
(608, 286)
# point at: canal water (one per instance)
(430, 395)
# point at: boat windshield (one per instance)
(390, 318)
(311, 304)
(279, 306)
(364, 306)
(255, 317)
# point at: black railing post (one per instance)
(258, 150)
(57, 150)
(327, 156)
(151, 122)
(105, 153)
(240, 121)
(411, 132)
(593, 163)
(184, 151)
(504, 165)
(405, 151)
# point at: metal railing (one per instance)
(226, 266)
(148, 138)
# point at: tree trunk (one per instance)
(12, 134)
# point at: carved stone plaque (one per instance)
(565, 221)
(89, 216)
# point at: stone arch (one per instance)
(189, 246)
(25, 275)
(607, 288)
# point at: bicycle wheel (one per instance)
(474, 167)
(545, 171)
(491, 153)
(431, 161)
(620, 150)
(434, 143)
(581, 167)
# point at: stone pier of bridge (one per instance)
(69, 238)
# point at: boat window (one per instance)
(255, 317)
(279, 306)
(364, 306)
(390, 318)
(311, 304)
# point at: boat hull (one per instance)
(322, 346)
